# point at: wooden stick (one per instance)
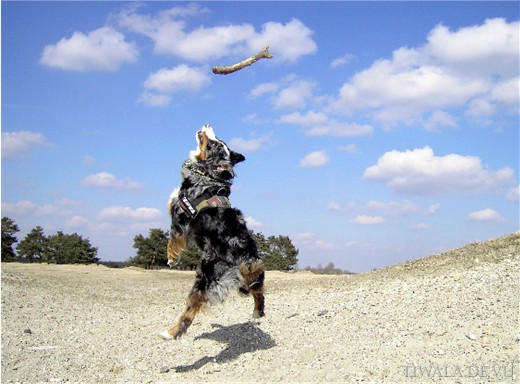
(263, 54)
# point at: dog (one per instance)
(202, 217)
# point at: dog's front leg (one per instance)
(196, 300)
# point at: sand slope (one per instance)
(447, 318)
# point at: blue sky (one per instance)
(379, 132)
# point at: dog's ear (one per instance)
(236, 157)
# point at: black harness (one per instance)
(211, 198)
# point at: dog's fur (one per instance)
(229, 253)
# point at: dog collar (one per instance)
(190, 166)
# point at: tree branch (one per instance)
(263, 54)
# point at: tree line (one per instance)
(278, 252)
(60, 248)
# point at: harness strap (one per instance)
(213, 202)
(193, 208)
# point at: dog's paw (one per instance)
(257, 314)
(165, 335)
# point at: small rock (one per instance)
(323, 312)
(28, 331)
(164, 369)
(471, 336)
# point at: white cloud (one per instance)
(432, 209)
(421, 172)
(420, 226)
(125, 221)
(179, 78)
(295, 95)
(489, 49)
(49, 210)
(349, 148)
(262, 89)
(119, 213)
(20, 143)
(343, 60)
(475, 67)
(310, 119)
(107, 180)
(27, 208)
(506, 92)
(513, 194)
(288, 41)
(480, 108)
(399, 96)
(310, 240)
(103, 49)
(155, 99)
(159, 85)
(334, 206)
(251, 145)
(20, 208)
(373, 211)
(168, 30)
(89, 160)
(320, 124)
(438, 120)
(340, 129)
(368, 220)
(76, 221)
(252, 223)
(393, 208)
(315, 159)
(487, 214)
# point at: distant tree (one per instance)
(9, 229)
(33, 247)
(188, 259)
(329, 269)
(151, 250)
(69, 249)
(115, 264)
(278, 252)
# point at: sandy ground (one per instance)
(448, 318)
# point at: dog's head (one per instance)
(214, 155)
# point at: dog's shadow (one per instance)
(240, 339)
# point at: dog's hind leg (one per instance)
(253, 282)
(196, 300)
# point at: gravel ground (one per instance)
(447, 318)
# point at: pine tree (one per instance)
(277, 252)
(9, 228)
(151, 250)
(69, 249)
(188, 259)
(32, 248)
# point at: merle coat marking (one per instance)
(229, 253)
